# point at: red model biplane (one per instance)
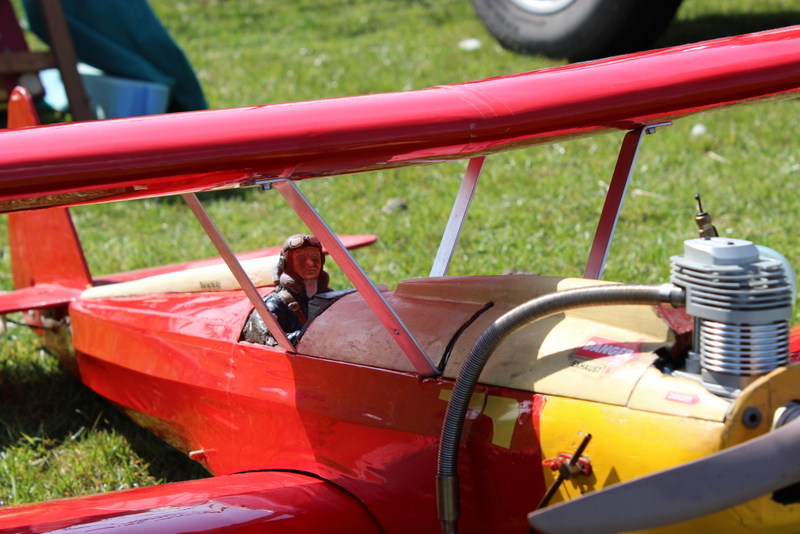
(447, 402)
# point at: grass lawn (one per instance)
(535, 210)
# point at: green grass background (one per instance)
(535, 209)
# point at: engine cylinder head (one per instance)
(742, 303)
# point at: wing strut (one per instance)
(457, 216)
(238, 272)
(377, 303)
(616, 194)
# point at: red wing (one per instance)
(185, 152)
(253, 502)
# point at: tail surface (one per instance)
(47, 261)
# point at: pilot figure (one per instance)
(299, 275)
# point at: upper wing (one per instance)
(149, 156)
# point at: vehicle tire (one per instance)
(576, 29)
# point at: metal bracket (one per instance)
(569, 469)
(457, 216)
(374, 299)
(616, 195)
(238, 272)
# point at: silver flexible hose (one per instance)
(524, 314)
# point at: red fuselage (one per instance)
(173, 362)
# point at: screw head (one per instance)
(752, 417)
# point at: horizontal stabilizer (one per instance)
(37, 297)
(211, 278)
(349, 241)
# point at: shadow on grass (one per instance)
(54, 407)
(716, 26)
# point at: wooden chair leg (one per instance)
(66, 60)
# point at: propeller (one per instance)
(710, 484)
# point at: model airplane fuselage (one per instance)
(342, 431)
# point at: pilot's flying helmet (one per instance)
(291, 244)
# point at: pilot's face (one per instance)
(307, 262)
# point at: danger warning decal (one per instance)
(607, 354)
(597, 347)
(684, 398)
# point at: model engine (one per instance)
(741, 297)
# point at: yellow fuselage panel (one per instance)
(629, 443)
(625, 444)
